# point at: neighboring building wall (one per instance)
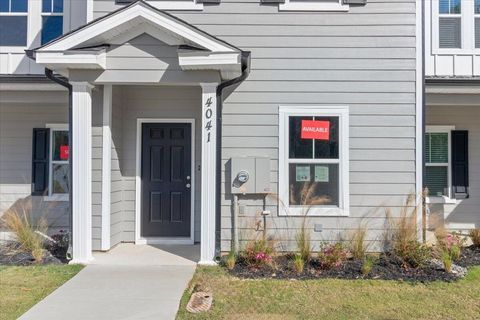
(20, 112)
(364, 58)
(451, 62)
(465, 214)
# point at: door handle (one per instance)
(188, 185)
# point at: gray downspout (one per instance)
(64, 83)
(245, 61)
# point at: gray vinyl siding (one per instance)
(116, 200)
(20, 112)
(364, 58)
(465, 213)
(97, 147)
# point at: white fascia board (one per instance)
(72, 59)
(159, 20)
(195, 61)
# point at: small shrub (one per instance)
(333, 255)
(358, 247)
(304, 243)
(298, 263)
(475, 236)
(28, 236)
(259, 252)
(401, 236)
(447, 261)
(230, 260)
(367, 265)
(450, 243)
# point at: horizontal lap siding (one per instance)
(116, 201)
(97, 149)
(364, 59)
(20, 112)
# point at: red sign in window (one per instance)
(64, 152)
(317, 130)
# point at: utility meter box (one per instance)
(250, 175)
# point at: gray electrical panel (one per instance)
(250, 175)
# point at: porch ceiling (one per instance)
(86, 47)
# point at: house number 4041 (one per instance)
(208, 116)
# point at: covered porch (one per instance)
(453, 154)
(144, 90)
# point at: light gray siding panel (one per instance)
(364, 58)
(97, 134)
(20, 113)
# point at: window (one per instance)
(313, 5)
(450, 23)
(59, 169)
(314, 160)
(13, 23)
(52, 19)
(438, 161)
(477, 23)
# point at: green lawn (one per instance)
(335, 299)
(23, 287)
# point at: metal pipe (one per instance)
(64, 83)
(235, 239)
(245, 60)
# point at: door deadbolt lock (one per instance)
(188, 185)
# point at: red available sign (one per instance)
(64, 152)
(313, 129)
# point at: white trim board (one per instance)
(139, 240)
(342, 112)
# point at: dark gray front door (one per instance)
(166, 179)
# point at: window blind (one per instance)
(450, 32)
(436, 147)
(477, 32)
(436, 180)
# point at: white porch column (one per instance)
(209, 150)
(81, 150)
(106, 165)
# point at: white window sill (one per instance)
(440, 200)
(312, 6)
(314, 212)
(56, 197)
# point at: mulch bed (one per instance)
(387, 267)
(12, 255)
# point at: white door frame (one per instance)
(138, 185)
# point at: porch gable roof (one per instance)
(86, 47)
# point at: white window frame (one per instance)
(467, 16)
(54, 196)
(52, 14)
(319, 5)
(475, 16)
(443, 129)
(342, 112)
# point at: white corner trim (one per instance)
(209, 177)
(313, 6)
(139, 240)
(342, 112)
(89, 8)
(81, 154)
(106, 166)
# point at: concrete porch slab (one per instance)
(129, 282)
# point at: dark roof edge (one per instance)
(453, 81)
(24, 78)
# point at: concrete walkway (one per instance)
(129, 282)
